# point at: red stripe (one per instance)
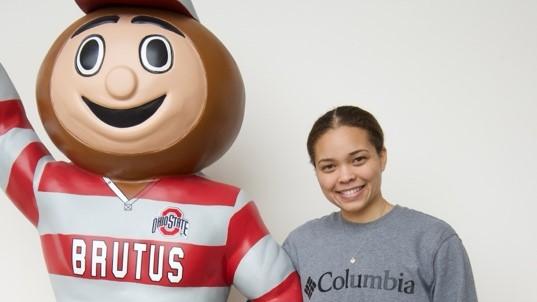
(245, 229)
(189, 189)
(67, 178)
(193, 189)
(20, 184)
(173, 5)
(288, 291)
(12, 116)
(203, 266)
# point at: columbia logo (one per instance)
(310, 287)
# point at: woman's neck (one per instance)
(373, 211)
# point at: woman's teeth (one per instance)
(351, 192)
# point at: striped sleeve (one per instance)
(257, 265)
(21, 152)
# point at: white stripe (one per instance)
(39, 170)
(7, 90)
(190, 8)
(241, 200)
(264, 267)
(11, 145)
(70, 289)
(115, 189)
(62, 213)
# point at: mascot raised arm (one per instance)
(141, 97)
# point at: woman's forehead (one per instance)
(343, 140)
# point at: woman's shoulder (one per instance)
(419, 217)
(425, 225)
(313, 228)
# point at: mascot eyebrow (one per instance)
(158, 22)
(135, 20)
(95, 23)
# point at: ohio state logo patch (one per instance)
(171, 223)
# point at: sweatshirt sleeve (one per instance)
(454, 281)
(257, 265)
(21, 152)
(290, 249)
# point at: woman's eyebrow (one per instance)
(357, 151)
(350, 154)
(325, 161)
(94, 23)
(157, 22)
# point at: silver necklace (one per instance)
(348, 234)
(127, 203)
(354, 256)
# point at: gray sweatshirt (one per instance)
(405, 256)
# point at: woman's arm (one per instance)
(454, 281)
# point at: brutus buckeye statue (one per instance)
(140, 97)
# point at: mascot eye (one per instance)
(90, 56)
(156, 54)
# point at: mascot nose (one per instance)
(121, 82)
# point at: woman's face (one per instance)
(349, 169)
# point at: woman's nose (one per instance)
(346, 175)
(121, 82)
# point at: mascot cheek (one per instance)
(140, 96)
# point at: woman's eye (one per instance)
(328, 168)
(90, 55)
(359, 160)
(156, 54)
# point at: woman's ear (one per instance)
(383, 158)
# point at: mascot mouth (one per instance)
(124, 118)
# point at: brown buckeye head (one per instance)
(134, 94)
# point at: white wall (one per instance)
(454, 84)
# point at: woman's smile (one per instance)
(351, 193)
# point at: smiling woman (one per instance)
(371, 249)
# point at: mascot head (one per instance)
(138, 89)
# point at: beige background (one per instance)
(454, 84)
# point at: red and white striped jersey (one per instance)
(183, 238)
